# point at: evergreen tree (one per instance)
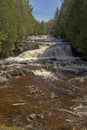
(71, 23)
(42, 28)
(16, 21)
(8, 26)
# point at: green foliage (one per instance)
(49, 26)
(16, 21)
(42, 28)
(56, 14)
(7, 26)
(72, 24)
(3, 36)
(2, 127)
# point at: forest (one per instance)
(71, 22)
(17, 21)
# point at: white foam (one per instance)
(45, 74)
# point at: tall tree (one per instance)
(7, 26)
(71, 23)
(16, 21)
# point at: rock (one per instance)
(30, 127)
(33, 91)
(37, 89)
(8, 76)
(33, 116)
(81, 110)
(25, 44)
(41, 116)
(27, 96)
(43, 94)
(52, 95)
(28, 119)
(81, 79)
(82, 114)
(18, 104)
(3, 79)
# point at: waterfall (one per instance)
(60, 49)
(53, 52)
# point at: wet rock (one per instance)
(25, 44)
(40, 116)
(28, 119)
(33, 116)
(43, 94)
(81, 79)
(81, 111)
(27, 96)
(29, 127)
(82, 102)
(33, 91)
(53, 96)
(73, 70)
(18, 104)
(3, 79)
(37, 89)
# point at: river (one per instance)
(49, 83)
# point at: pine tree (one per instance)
(7, 26)
(71, 23)
(16, 21)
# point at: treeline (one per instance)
(16, 21)
(71, 22)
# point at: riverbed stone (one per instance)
(33, 116)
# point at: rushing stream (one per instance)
(53, 52)
(49, 79)
(56, 51)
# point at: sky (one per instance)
(44, 9)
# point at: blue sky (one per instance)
(44, 9)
